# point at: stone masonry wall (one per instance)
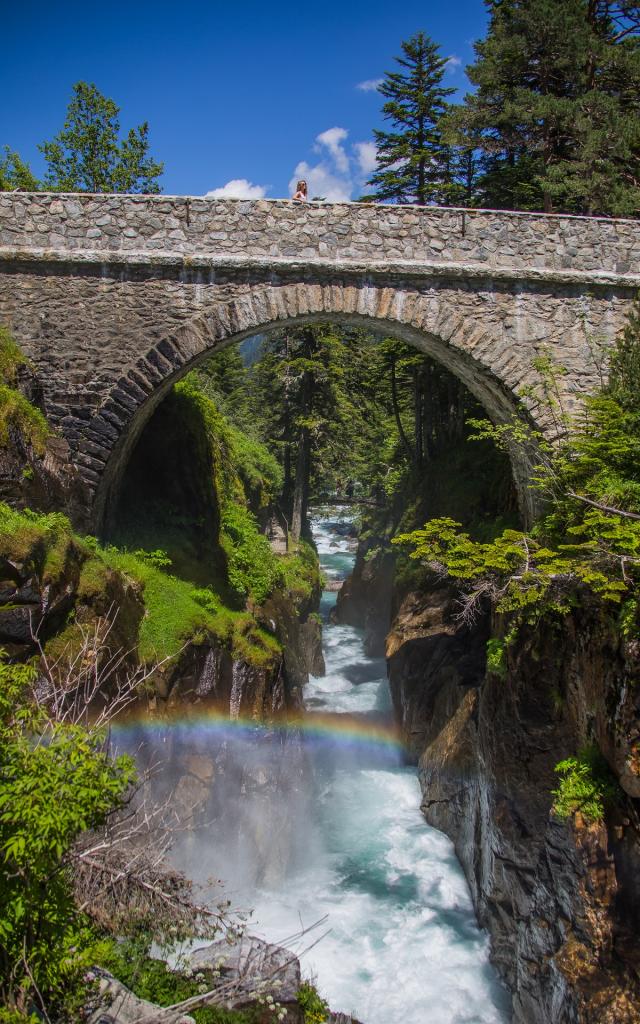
(370, 233)
(114, 297)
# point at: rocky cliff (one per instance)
(560, 898)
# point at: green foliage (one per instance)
(175, 611)
(15, 174)
(496, 656)
(87, 156)
(624, 369)
(150, 979)
(586, 786)
(555, 113)
(589, 535)
(258, 469)
(316, 1010)
(242, 466)
(300, 571)
(17, 413)
(253, 570)
(11, 358)
(157, 558)
(58, 781)
(413, 161)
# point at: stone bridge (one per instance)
(114, 297)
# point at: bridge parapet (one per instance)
(114, 297)
(199, 231)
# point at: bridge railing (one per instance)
(130, 227)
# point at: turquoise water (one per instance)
(323, 822)
(403, 946)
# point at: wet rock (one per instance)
(255, 967)
(561, 900)
(297, 628)
(433, 659)
(118, 1005)
(365, 598)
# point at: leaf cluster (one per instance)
(58, 782)
(89, 153)
(586, 786)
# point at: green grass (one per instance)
(16, 411)
(301, 571)
(11, 358)
(176, 612)
(149, 979)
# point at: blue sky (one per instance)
(248, 92)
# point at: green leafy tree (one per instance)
(15, 174)
(556, 109)
(589, 535)
(414, 160)
(57, 782)
(87, 156)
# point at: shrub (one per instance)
(316, 1010)
(496, 656)
(586, 786)
(58, 781)
(252, 567)
(11, 358)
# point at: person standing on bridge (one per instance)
(301, 192)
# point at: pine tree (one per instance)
(414, 159)
(556, 112)
(86, 155)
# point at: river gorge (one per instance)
(318, 824)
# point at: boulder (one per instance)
(255, 966)
(118, 1005)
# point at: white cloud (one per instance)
(367, 157)
(322, 182)
(333, 139)
(453, 62)
(238, 188)
(340, 171)
(370, 85)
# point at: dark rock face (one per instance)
(364, 601)
(47, 482)
(561, 900)
(207, 673)
(426, 642)
(299, 631)
(31, 604)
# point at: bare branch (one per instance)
(603, 508)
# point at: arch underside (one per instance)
(428, 321)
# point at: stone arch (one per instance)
(426, 318)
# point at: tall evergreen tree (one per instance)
(556, 112)
(414, 159)
(87, 156)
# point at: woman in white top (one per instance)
(301, 192)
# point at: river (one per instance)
(404, 946)
(321, 822)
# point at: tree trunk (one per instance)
(418, 406)
(396, 411)
(301, 485)
(303, 460)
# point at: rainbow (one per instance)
(343, 729)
